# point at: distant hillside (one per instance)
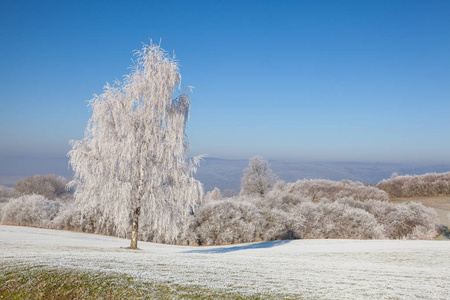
(227, 173)
(12, 169)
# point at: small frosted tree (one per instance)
(49, 186)
(215, 194)
(258, 178)
(132, 161)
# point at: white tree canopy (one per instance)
(215, 194)
(133, 159)
(258, 178)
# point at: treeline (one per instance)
(306, 209)
(430, 184)
(296, 211)
(333, 190)
(41, 201)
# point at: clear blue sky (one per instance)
(308, 80)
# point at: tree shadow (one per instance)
(261, 245)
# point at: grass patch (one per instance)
(19, 281)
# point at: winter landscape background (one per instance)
(351, 91)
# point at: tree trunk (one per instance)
(134, 229)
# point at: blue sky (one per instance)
(305, 80)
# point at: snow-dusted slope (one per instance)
(311, 269)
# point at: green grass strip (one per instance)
(19, 281)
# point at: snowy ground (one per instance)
(310, 269)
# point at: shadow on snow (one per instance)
(227, 249)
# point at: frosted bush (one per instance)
(344, 222)
(332, 190)
(68, 217)
(299, 210)
(49, 186)
(312, 217)
(7, 193)
(246, 219)
(412, 220)
(283, 201)
(418, 185)
(286, 213)
(331, 220)
(421, 233)
(279, 225)
(228, 222)
(32, 210)
(400, 221)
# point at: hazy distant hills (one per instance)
(227, 173)
(13, 169)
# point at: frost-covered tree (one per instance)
(7, 193)
(258, 178)
(49, 186)
(215, 194)
(132, 164)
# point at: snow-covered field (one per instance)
(307, 269)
